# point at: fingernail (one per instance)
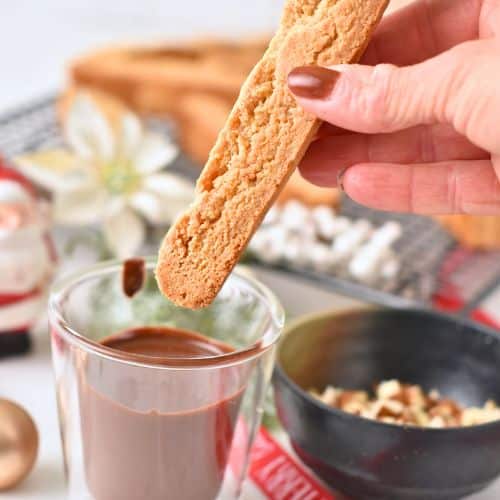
(312, 82)
(340, 178)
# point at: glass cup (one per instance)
(170, 428)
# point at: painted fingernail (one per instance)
(312, 82)
(340, 178)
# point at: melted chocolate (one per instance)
(161, 342)
(155, 433)
(133, 276)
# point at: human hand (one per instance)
(420, 130)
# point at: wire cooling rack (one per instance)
(423, 249)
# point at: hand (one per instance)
(419, 131)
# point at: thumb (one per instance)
(383, 98)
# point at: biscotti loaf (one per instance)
(199, 118)
(477, 232)
(151, 79)
(265, 137)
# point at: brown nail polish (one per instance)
(312, 82)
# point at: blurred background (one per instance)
(40, 37)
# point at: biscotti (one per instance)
(111, 107)
(264, 139)
(199, 118)
(150, 79)
(298, 188)
(477, 232)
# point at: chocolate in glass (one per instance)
(176, 450)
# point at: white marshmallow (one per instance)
(296, 250)
(320, 256)
(273, 216)
(322, 212)
(307, 232)
(295, 215)
(327, 224)
(387, 235)
(349, 241)
(365, 265)
(367, 261)
(278, 238)
(390, 269)
(259, 242)
(329, 230)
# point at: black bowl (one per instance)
(368, 459)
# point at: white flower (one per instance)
(110, 175)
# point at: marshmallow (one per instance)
(390, 269)
(272, 217)
(263, 247)
(259, 242)
(272, 244)
(307, 232)
(295, 215)
(322, 211)
(327, 224)
(320, 256)
(349, 241)
(323, 216)
(296, 250)
(387, 235)
(366, 263)
(331, 230)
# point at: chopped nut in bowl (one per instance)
(404, 404)
(442, 441)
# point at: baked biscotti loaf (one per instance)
(265, 137)
(111, 107)
(199, 118)
(298, 188)
(150, 79)
(477, 232)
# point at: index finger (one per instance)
(422, 30)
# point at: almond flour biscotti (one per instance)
(150, 79)
(264, 139)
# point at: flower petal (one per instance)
(170, 186)
(87, 130)
(174, 193)
(130, 136)
(154, 153)
(124, 233)
(150, 206)
(115, 204)
(52, 169)
(80, 206)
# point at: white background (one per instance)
(37, 37)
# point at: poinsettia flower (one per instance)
(110, 175)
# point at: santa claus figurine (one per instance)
(26, 260)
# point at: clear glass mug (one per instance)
(145, 428)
